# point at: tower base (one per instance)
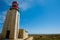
(23, 35)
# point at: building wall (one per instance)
(23, 34)
(20, 34)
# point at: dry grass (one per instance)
(46, 37)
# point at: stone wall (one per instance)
(20, 34)
(23, 34)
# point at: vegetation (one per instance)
(46, 37)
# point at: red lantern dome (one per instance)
(15, 2)
(15, 5)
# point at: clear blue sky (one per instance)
(37, 16)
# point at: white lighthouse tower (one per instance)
(11, 25)
(11, 30)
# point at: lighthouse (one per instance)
(11, 30)
(11, 25)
